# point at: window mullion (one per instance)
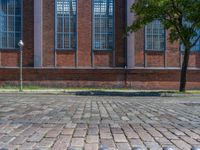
(14, 39)
(100, 37)
(63, 28)
(69, 35)
(7, 26)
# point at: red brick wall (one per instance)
(48, 33)
(28, 33)
(139, 48)
(66, 58)
(10, 58)
(154, 59)
(120, 26)
(103, 59)
(84, 33)
(115, 78)
(172, 53)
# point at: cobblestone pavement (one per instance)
(58, 122)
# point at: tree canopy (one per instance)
(180, 17)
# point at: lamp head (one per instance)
(21, 43)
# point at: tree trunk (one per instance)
(184, 70)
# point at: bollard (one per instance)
(103, 148)
(195, 148)
(136, 148)
(167, 148)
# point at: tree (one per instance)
(180, 17)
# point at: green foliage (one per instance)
(180, 17)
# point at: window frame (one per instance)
(145, 40)
(63, 33)
(14, 32)
(113, 28)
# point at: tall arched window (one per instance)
(155, 36)
(10, 23)
(103, 24)
(66, 20)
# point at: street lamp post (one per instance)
(21, 44)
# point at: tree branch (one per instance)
(195, 42)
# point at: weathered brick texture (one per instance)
(115, 78)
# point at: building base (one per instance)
(140, 79)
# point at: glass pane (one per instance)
(18, 7)
(18, 23)
(11, 40)
(67, 41)
(59, 40)
(4, 40)
(17, 38)
(66, 23)
(11, 23)
(103, 24)
(155, 36)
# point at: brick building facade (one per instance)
(97, 59)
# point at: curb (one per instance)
(101, 93)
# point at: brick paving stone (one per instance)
(145, 136)
(181, 144)
(7, 139)
(152, 145)
(82, 126)
(19, 130)
(155, 133)
(137, 143)
(53, 133)
(36, 137)
(77, 142)
(68, 131)
(190, 140)
(107, 143)
(177, 132)
(163, 141)
(71, 125)
(123, 146)
(170, 135)
(131, 134)
(93, 131)
(19, 140)
(80, 132)
(191, 134)
(62, 142)
(120, 138)
(92, 139)
(27, 146)
(116, 131)
(104, 129)
(104, 135)
(28, 132)
(91, 146)
(45, 143)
